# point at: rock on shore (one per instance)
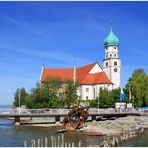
(117, 131)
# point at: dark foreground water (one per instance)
(141, 141)
(11, 136)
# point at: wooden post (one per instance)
(46, 142)
(25, 143)
(62, 144)
(55, 141)
(73, 144)
(38, 142)
(41, 142)
(32, 143)
(52, 141)
(69, 144)
(58, 141)
(79, 145)
(65, 145)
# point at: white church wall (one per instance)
(96, 69)
(87, 92)
(90, 92)
(116, 77)
(107, 71)
(111, 51)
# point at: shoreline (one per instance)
(118, 130)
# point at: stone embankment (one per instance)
(118, 130)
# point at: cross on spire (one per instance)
(111, 25)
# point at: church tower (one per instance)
(111, 62)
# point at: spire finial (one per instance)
(111, 25)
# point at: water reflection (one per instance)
(11, 136)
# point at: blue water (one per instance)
(15, 137)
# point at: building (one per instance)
(92, 77)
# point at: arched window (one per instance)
(114, 55)
(106, 64)
(110, 55)
(115, 63)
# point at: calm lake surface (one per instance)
(11, 136)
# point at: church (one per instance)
(92, 77)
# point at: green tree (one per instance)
(94, 103)
(46, 95)
(115, 95)
(19, 94)
(138, 85)
(105, 99)
(70, 93)
(52, 93)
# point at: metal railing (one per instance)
(65, 111)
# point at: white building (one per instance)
(92, 77)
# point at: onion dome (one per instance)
(111, 40)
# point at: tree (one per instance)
(116, 95)
(46, 95)
(19, 94)
(105, 99)
(53, 93)
(138, 85)
(70, 93)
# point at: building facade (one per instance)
(111, 62)
(92, 77)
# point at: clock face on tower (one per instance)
(115, 69)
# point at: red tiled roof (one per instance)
(62, 73)
(83, 71)
(82, 75)
(96, 78)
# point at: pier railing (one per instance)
(65, 111)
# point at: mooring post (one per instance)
(46, 142)
(51, 141)
(69, 144)
(38, 142)
(65, 145)
(62, 145)
(33, 143)
(55, 141)
(25, 143)
(58, 141)
(73, 144)
(41, 142)
(79, 145)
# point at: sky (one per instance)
(59, 34)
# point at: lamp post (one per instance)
(98, 105)
(129, 92)
(19, 100)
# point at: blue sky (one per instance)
(57, 34)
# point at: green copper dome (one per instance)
(111, 40)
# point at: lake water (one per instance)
(11, 136)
